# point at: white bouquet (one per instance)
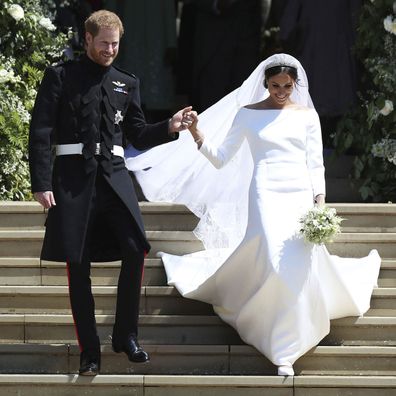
(320, 224)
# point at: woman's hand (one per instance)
(193, 128)
(192, 119)
(320, 200)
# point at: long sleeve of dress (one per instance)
(221, 155)
(315, 155)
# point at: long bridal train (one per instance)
(276, 290)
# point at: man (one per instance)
(85, 107)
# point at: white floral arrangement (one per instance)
(28, 43)
(387, 109)
(390, 24)
(385, 148)
(16, 11)
(320, 225)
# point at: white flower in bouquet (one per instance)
(388, 108)
(16, 11)
(390, 24)
(320, 225)
(47, 24)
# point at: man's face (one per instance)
(103, 48)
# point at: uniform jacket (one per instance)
(83, 102)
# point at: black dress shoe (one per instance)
(89, 363)
(133, 350)
(89, 369)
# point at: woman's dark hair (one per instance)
(273, 71)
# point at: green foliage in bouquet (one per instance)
(28, 43)
(320, 225)
(370, 128)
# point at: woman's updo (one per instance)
(273, 71)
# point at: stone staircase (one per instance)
(192, 350)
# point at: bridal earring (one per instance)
(285, 370)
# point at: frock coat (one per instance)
(83, 102)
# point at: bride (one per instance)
(264, 140)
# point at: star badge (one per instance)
(118, 117)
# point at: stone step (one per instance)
(195, 385)
(24, 271)
(387, 277)
(55, 299)
(156, 216)
(383, 302)
(170, 217)
(155, 300)
(221, 359)
(367, 217)
(360, 244)
(183, 329)
(27, 243)
(164, 216)
(151, 385)
(21, 215)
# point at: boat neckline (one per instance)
(247, 108)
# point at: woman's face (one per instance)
(280, 87)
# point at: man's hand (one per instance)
(45, 198)
(180, 120)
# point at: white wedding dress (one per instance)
(278, 291)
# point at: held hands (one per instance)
(180, 120)
(192, 119)
(45, 198)
(187, 119)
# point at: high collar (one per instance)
(94, 67)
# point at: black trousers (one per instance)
(107, 204)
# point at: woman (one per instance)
(276, 290)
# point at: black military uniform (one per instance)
(96, 217)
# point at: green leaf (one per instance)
(348, 141)
(364, 192)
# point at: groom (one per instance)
(86, 108)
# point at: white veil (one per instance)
(177, 172)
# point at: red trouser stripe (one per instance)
(74, 320)
(144, 256)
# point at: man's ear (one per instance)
(88, 37)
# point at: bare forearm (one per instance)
(198, 137)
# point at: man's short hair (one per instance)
(103, 19)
